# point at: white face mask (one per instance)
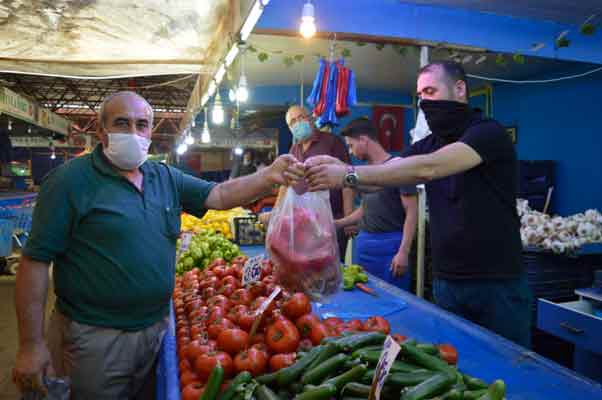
(127, 151)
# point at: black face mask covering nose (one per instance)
(447, 119)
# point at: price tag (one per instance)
(185, 240)
(261, 309)
(252, 270)
(387, 357)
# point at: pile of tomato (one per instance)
(215, 315)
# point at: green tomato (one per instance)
(362, 277)
(348, 283)
(197, 254)
(188, 262)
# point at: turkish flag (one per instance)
(389, 122)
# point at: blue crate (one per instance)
(7, 226)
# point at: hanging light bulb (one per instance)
(189, 140)
(29, 130)
(52, 154)
(205, 135)
(308, 25)
(238, 150)
(182, 148)
(10, 124)
(242, 93)
(193, 122)
(218, 110)
(232, 95)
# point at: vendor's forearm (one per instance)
(31, 292)
(352, 219)
(409, 225)
(409, 170)
(347, 201)
(239, 191)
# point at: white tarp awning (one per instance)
(103, 38)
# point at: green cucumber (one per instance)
(230, 392)
(267, 379)
(428, 348)
(351, 362)
(288, 375)
(352, 375)
(426, 360)
(353, 398)
(356, 389)
(322, 392)
(296, 387)
(328, 351)
(357, 341)
(474, 394)
(357, 352)
(474, 383)
(452, 394)
(400, 379)
(265, 393)
(317, 374)
(213, 383)
(496, 391)
(436, 384)
(372, 358)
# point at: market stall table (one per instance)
(481, 353)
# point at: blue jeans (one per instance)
(375, 251)
(502, 306)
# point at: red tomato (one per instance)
(209, 293)
(241, 296)
(251, 360)
(448, 353)
(269, 279)
(238, 271)
(230, 271)
(217, 326)
(333, 322)
(196, 330)
(187, 377)
(318, 331)
(217, 262)
(197, 348)
(193, 391)
(261, 346)
(219, 300)
(377, 324)
(399, 338)
(184, 365)
(227, 290)
(206, 362)
(296, 306)
(305, 322)
(209, 282)
(216, 312)
(257, 338)
(282, 337)
(220, 271)
(240, 259)
(354, 325)
(229, 279)
(257, 289)
(280, 361)
(200, 312)
(246, 319)
(232, 341)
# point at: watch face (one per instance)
(351, 179)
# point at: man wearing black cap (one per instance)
(470, 168)
(387, 217)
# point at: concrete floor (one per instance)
(9, 338)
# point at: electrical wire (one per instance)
(100, 78)
(564, 78)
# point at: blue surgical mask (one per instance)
(301, 130)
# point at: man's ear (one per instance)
(460, 90)
(101, 134)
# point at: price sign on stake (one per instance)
(184, 243)
(387, 357)
(261, 309)
(252, 270)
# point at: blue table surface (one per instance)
(481, 353)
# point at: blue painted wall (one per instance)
(289, 95)
(562, 122)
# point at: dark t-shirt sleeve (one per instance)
(408, 190)
(340, 151)
(193, 192)
(489, 140)
(53, 218)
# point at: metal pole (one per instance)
(424, 59)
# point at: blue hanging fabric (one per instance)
(329, 115)
(351, 95)
(314, 96)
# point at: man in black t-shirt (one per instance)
(470, 169)
(387, 217)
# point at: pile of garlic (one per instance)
(559, 234)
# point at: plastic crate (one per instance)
(7, 226)
(248, 231)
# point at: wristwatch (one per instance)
(351, 179)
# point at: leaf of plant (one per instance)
(380, 46)
(346, 53)
(262, 56)
(299, 57)
(288, 61)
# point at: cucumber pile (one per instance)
(343, 368)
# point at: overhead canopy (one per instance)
(105, 38)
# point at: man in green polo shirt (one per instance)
(109, 222)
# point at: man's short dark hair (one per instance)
(360, 126)
(452, 70)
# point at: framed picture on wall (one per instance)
(511, 130)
